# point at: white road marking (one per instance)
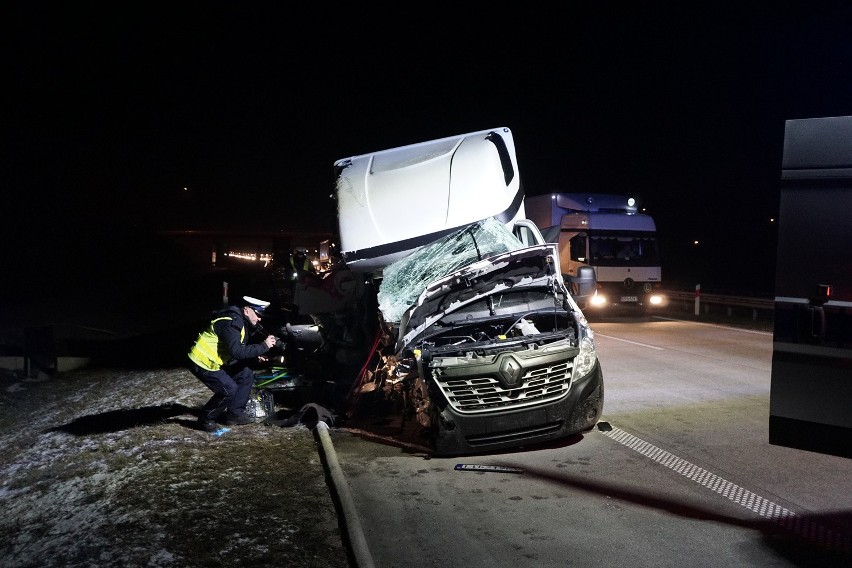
(628, 341)
(756, 331)
(803, 527)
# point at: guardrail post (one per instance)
(697, 299)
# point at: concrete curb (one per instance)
(350, 520)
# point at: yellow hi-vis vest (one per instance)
(306, 264)
(208, 352)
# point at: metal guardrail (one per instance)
(702, 302)
(721, 299)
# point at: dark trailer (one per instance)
(810, 405)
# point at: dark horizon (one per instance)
(207, 114)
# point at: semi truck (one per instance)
(607, 248)
(473, 342)
(810, 403)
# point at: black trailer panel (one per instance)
(811, 391)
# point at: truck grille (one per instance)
(486, 393)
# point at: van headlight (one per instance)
(584, 362)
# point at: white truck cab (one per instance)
(391, 202)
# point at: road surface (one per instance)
(678, 472)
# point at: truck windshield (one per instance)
(623, 250)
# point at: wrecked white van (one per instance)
(478, 344)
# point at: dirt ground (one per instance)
(104, 467)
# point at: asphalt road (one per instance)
(678, 472)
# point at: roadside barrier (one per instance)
(702, 301)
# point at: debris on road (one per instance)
(488, 468)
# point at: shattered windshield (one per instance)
(405, 279)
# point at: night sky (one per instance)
(230, 115)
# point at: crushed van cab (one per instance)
(486, 349)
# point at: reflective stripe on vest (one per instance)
(208, 352)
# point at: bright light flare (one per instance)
(265, 258)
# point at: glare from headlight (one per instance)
(597, 300)
(585, 361)
(656, 300)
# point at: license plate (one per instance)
(629, 299)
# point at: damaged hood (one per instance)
(531, 267)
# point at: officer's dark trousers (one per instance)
(230, 392)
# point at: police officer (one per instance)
(220, 357)
(301, 264)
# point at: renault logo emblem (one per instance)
(511, 371)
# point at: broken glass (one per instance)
(405, 279)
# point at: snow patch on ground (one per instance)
(106, 468)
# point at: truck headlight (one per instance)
(597, 300)
(584, 362)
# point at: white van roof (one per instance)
(392, 202)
